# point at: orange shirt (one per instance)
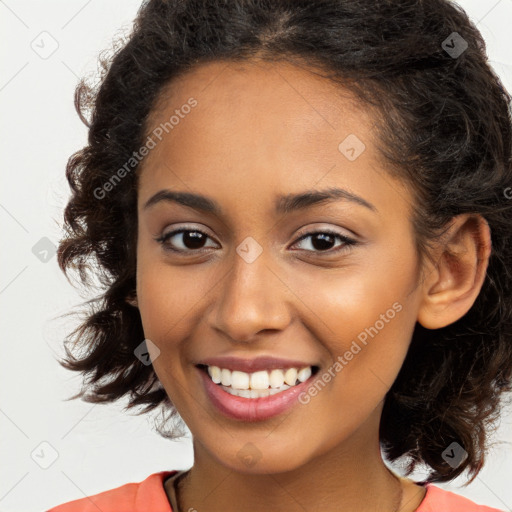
(149, 496)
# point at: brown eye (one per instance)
(322, 241)
(183, 240)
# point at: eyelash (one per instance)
(348, 242)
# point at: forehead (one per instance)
(258, 128)
(263, 98)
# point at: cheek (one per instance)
(366, 318)
(167, 295)
(367, 330)
(371, 338)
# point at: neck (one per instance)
(351, 476)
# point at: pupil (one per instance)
(322, 241)
(193, 239)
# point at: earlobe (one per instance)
(132, 300)
(453, 284)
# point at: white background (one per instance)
(99, 446)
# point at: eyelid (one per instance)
(186, 227)
(166, 234)
(320, 229)
(347, 242)
(302, 232)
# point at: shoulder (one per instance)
(441, 500)
(132, 497)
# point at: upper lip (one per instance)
(253, 365)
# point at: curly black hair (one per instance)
(444, 126)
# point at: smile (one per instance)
(232, 394)
(258, 384)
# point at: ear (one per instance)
(132, 300)
(453, 283)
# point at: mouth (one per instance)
(255, 388)
(259, 384)
(256, 396)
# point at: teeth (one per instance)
(239, 380)
(258, 384)
(276, 378)
(259, 380)
(225, 377)
(215, 373)
(278, 390)
(290, 377)
(254, 393)
(304, 374)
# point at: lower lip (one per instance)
(252, 409)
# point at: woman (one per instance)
(298, 211)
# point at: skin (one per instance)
(260, 130)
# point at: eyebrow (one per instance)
(284, 204)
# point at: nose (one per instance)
(251, 298)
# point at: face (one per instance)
(250, 272)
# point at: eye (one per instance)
(193, 240)
(321, 241)
(187, 240)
